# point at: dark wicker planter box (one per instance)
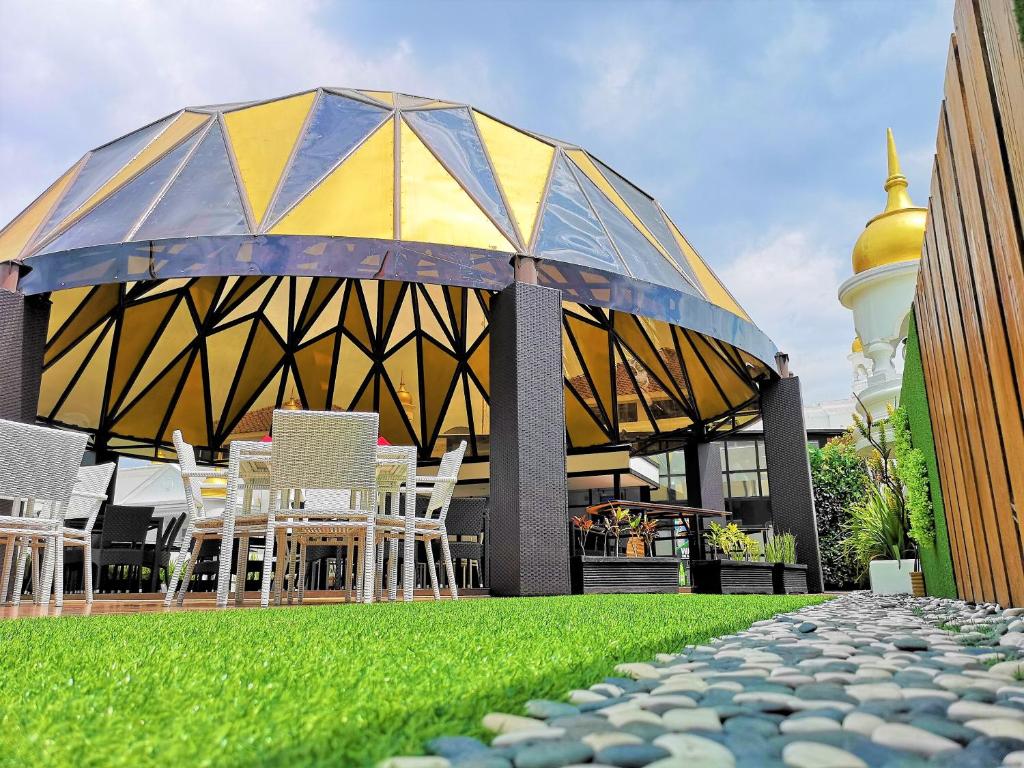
(790, 579)
(732, 577)
(593, 575)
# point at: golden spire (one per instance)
(896, 184)
(897, 233)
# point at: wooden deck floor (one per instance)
(103, 605)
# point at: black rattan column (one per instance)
(789, 471)
(23, 321)
(529, 526)
(704, 475)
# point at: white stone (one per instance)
(1014, 758)
(598, 741)
(580, 696)
(843, 678)
(1013, 639)
(912, 739)
(998, 727)
(607, 689)
(527, 734)
(699, 719)
(1011, 669)
(680, 684)
(428, 761)
(636, 715)
(639, 671)
(809, 725)
(805, 704)
(644, 702)
(875, 692)
(976, 710)
(726, 685)
(502, 722)
(792, 703)
(862, 723)
(927, 693)
(808, 754)
(696, 751)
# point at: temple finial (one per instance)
(896, 184)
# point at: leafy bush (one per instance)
(875, 531)
(912, 472)
(840, 480)
(732, 542)
(781, 548)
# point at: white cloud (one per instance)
(788, 286)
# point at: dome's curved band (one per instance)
(314, 256)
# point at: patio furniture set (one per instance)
(322, 484)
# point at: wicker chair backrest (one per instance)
(325, 450)
(125, 525)
(94, 480)
(39, 463)
(193, 484)
(441, 495)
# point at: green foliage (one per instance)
(781, 548)
(913, 474)
(875, 531)
(1018, 11)
(340, 685)
(840, 480)
(732, 542)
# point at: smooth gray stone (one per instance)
(748, 724)
(579, 721)
(646, 731)
(823, 692)
(985, 697)
(922, 707)
(884, 709)
(553, 754)
(454, 747)
(806, 627)
(829, 712)
(910, 643)
(545, 709)
(748, 745)
(983, 752)
(854, 743)
(940, 726)
(630, 755)
(482, 761)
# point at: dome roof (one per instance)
(897, 234)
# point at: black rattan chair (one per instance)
(467, 527)
(121, 547)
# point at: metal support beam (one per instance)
(529, 519)
(789, 471)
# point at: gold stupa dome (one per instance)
(404, 395)
(897, 233)
(856, 348)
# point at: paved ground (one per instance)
(859, 681)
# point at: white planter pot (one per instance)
(891, 577)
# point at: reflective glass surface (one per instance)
(202, 200)
(101, 165)
(452, 135)
(642, 258)
(110, 221)
(570, 231)
(337, 125)
(648, 213)
(742, 455)
(743, 484)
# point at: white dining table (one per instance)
(249, 471)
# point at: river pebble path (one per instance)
(860, 681)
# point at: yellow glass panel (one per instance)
(234, 289)
(81, 408)
(355, 318)
(394, 424)
(190, 408)
(387, 97)
(353, 366)
(178, 334)
(629, 331)
(713, 287)
(736, 388)
(203, 292)
(16, 235)
(100, 304)
(370, 290)
(314, 363)
(706, 395)
(182, 126)
(224, 356)
(455, 426)
(435, 208)
(263, 138)
(402, 366)
(62, 305)
(167, 286)
(582, 159)
(57, 377)
(258, 418)
(481, 415)
(405, 321)
(140, 324)
(251, 303)
(595, 356)
(356, 200)
(328, 317)
(263, 354)
(144, 417)
(480, 362)
(276, 310)
(434, 324)
(476, 320)
(580, 425)
(627, 393)
(522, 164)
(440, 368)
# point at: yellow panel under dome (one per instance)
(435, 208)
(16, 235)
(713, 288)
(356, 200)
(262, 138)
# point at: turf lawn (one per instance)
(341, 685)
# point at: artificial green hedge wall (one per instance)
(937, 560)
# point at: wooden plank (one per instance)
(987, 320)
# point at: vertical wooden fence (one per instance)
(970, 302)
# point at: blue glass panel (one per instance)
(203, 200)
(113, 219)
(648, 213)
(642, 258)
(569, 230)
(452, 135)
(337, 125)
(101, 165)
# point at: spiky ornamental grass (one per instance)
(341, 685)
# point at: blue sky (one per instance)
(760, 126)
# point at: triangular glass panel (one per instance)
(113, 219)
(647, 211)
(100, 166)
(336, 126)
(203, 200)
(642, 258)
(570, 231)
(406, 101)
(452, 135)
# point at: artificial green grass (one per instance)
(339, 685)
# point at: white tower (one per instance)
(885, 262)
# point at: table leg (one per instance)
(409, 569)
(228, 534)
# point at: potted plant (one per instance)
(735, 567)
(617, 519)
(635, 543)
(582, 524)
(789, 577)
(603, 574)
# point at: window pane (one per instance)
(742, 455)
(764, 484)
(677, 488)
(660, 494)
(743, 484)
(677, 462)
(660, 460)
(722, 455)
(760, 454)
(725, 486)
(627, 413)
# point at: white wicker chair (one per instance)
(38, 468)
(88, 496)
(440, 489)
(321, 451)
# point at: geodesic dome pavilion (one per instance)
(341, 249)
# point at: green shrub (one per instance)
(912, 472)
(781, 548)
(875, 531)
(840, 480)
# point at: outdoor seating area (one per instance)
(324, 502)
